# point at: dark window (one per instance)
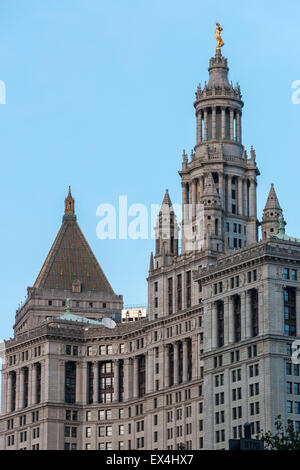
(220, 316)
(289, 311)
(90, 384)
(141, 375)
(237, 318)
(105, 378)
(254, 312)
(179, 292)
(70, 382)
(188, 289)
(38, 382)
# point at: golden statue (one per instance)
(218, 37)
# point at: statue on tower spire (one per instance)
(219, 39)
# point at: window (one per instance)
(289, 296)
(289, 406)
(70, 382)
(188, 288)
(286, 273)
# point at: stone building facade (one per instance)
(223, 312)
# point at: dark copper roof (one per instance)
(71, 259)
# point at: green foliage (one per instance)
(285, 437)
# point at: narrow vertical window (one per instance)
(220, 326)
(237, 318)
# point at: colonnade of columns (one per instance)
(21, 388)
(207, 124)
(245, 321)
(245, 202)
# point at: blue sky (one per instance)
(100, 97)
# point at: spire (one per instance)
(272, 201)
(166, 232)
(167, 200)
(151, 266)
(69, 206)
(210, 187)
(271, 216)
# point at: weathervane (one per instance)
(220, 41)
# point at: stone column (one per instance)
(4, 393)
(231, 319)
(231, 124)
(223, 123)
(18, 383)
(226, 321)
(245, 187)
(78, 393)
(184, 361)
(9, 393)
(238, 127)
(194, 198)
(206, 125)
(95, 382)
(253, 198)
(135, 378)
(84, 382)
(127, 380)
(298, 311)
(166, 366)
(195, 356)
(221, 190)
(213, 130)
(229, 199)
(240, 196)
(175, 363)
(116, 380)
(243, 315)
(248, 315)
(44, 381)
(34, 384)
(214, 325)
(149, 372)
(199, 128)
(61, 381)
(21, 388)
(261, 310)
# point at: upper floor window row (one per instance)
(290, 274)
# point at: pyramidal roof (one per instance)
(272, 201)
(210, 187)
(71, 259)
(167, 200)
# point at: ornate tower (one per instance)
(212, 216)
(219, 152)
(272, 211)
(166, 233)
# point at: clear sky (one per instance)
(100, 97)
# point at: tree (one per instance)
(285, 437)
